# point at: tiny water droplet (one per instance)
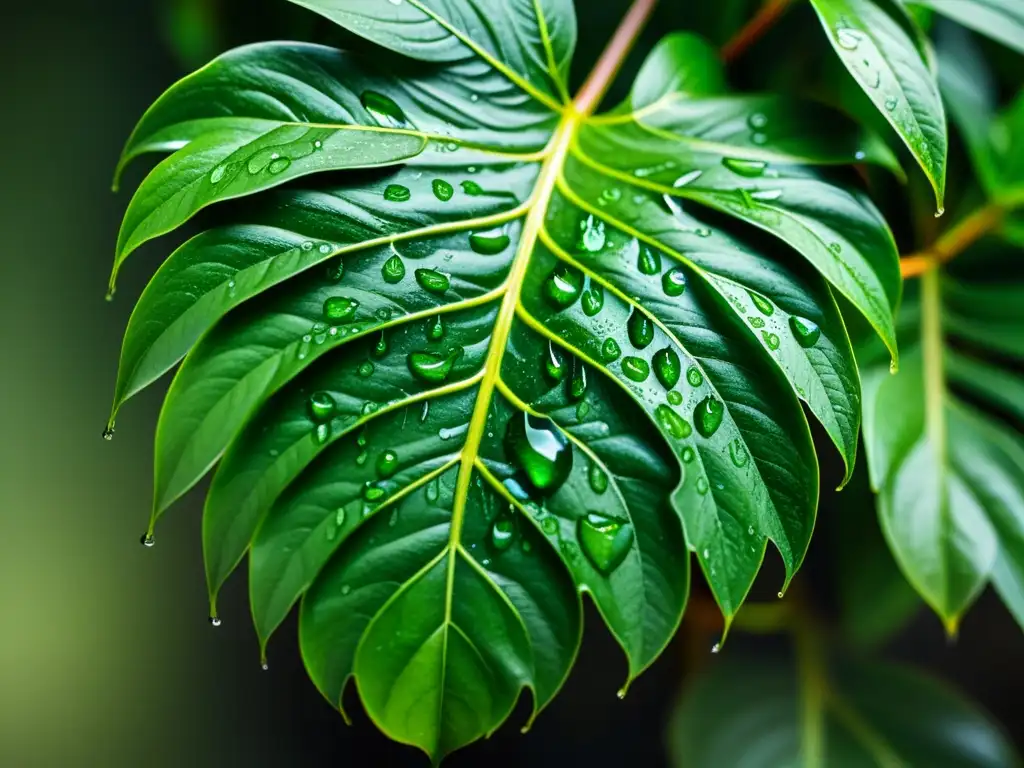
(739, 455)
(433, 281)
(674, 397)
(578, 383)
(108, 433)
(279, 165)
(554, 367)
(746, 168)
(322, 433)
(433, 490)
(757, 121)
(890, 103)
(687, 178)
(365, 369)
(835, 248)
(708, 415)
(503, 533)
(673, 282)
(688, 455)
(384, 109)
(848, 39)
(716, 647)
(387, 463)
(373, 493)
(335, 270)
(598, 478)
(648, 261)
(702, 485)
(550, 526)
(218, 174)
(214, 621)
(610, 195)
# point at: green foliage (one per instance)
(462, 350)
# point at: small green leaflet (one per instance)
(471, 352)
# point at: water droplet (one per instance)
(759, 139)
(431, 367)
(321, 406)
(890, 103)
(756, 322)
(396, 193)
(218, 174)
(387, 463)
(582, 409)
(593, 300)
(553, 365)
(280, 165)
(108, 433)
(739, 456)
(384, 110)
(673, 282)
(610, 350)
(764, 306)
(339, 308)
(702, 232)
(393, 270)
(443, 191)
(214, 621)
(540, 450)
(373, 493)
(750, 530)
(472, 189)
(640, 329)
(325, 248)
(707, 416)
(672, 422)
(771, 340)
(435, 328)
(702, 485)
(610, 195)
(757, 121)
(503, 533)
(648, 261)
(688, 455)
(766, 195)
(489, 243)
(381, 348)
(322, 433)
(674, 397)
(147, 540)
(549, 526)
(873, 82)
(433, 490)
(598, 478)
(694, 377)
(848, 39)
(687, 178)
(591, 237)
(563, 286)
(578, 383)
(667, 367)
(432, 281)
(805, 331)
(604, 540)
(746, 168)
(635, 368)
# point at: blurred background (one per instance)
(106, 656)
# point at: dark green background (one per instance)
(106, 658)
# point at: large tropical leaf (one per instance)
(843, 712)
(498, 351)
(949, 475)
(889, 57)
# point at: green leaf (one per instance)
(546, 353)
(1002, 20)
(951, 478)
(887, 62)
(844, 713)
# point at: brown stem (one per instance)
(614, 54)
(953, 242)
(753, 29)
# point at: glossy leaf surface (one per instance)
(1002, 20)
(456, 386)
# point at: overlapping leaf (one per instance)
(1002, 20)
(498, 353)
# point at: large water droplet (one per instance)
(339, 308)
(393, 270)
(431, 367)
(672, 422)
(673, 282)
(604, 540)
(540, 450)
(648, 261)
(563, 286)
(432, 281)
(384, 110)
(764, 306)
(640, 329)
(443, 191)
(598, 478)
(108, 433)
(746, 168)
(635, 368)
(610, 350)
(591, 237)
(805, 331)
(387, 463)
(396, 193)
(489, 243)
(593, 300)
(321, 406)
(667, 367)
(279, 165)
(708, 415)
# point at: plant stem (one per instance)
(813, 690)
(751, 32)
(954, 241)
(614, 54)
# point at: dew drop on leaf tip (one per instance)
(214, 621)
(147, 540)
(108, 433)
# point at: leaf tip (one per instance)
(952, 627)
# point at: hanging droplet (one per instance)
(435, 328)
(610, 350)
(381, 347)
(443, 191)
(578, 383)
(640, 329)
(108, 433)
(387, 464)
(321, 406)
(432, 281)
(591, 237)
(764, 306)
(503, 533)
(672, 422)
(397, 193)
(393, 270)
(635, 368)
(540, 450)
(554, 367)
(431, 367)
(648, 261)
(673, 282)
(384, 110)
(598, 478)
(593, 300)
(746, 168)
(667, 367)
(604, 540)
(489, 243)
(708, 415)
(694, 377)
(214, 621)
(339, 308)
(147, 540)
(563, 286)
(805, 331)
